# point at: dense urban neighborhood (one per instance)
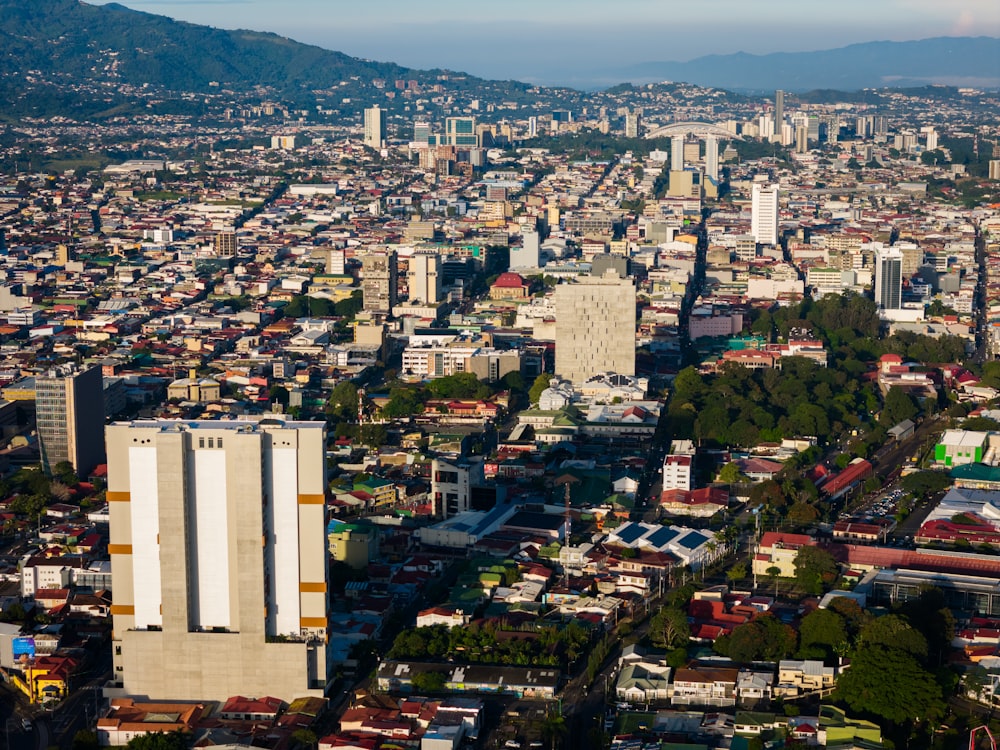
(431, 415)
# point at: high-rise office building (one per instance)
(764, 213)
(889, 278)
(595, 327)
(460, 131)
(712, 158)
(779, 108)
(225, 244)
(375, 127)
(527, 255)
(677, 153)
(801, 139)
(932, 139)
(69, 412)
(421, 131)
(378, 281)
(632, 124)
(336, 261)
(218, 553)
(424, 278)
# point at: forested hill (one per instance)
(77, 42)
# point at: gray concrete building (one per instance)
(595, 327)
(219, 558)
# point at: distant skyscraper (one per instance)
(889, 279)
(526, 256)
(932, 139)
(378, 283)
(421, 131)
(69, 411)
(712, 158)
(375, 127)
(218, 552)
(532, 126)
(424, 277)
(336, 264)
(779, 108)
(764, 213)
(225, 244)
(801, 139)
(632, 123)
(460, 131)
(595, 327)
(677, 153)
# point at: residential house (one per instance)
(705, 686)
(798, 677)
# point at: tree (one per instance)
(176, 740)
(343, 402)
(669, 628)
(763, 638)
(65, 473)
(893, 631)
(821, 632)
(898, 407)
(730, 473)
(540, 384)
(814, 567)
(914, 693)
(554, 729)
(429, 682)
(774, 573)
(304, 738)
(85, 739)
(737, 573)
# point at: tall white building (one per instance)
(712, 158)
(218, 554)
(889, 278)
(595, 327)
(375, 127)
(633, 122)
(677, 153)
(424, 278)
(528, 254)
(764, 213)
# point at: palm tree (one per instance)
(554, 729)
(774, 572)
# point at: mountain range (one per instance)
(952, 61)
(72, 41)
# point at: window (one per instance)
(201, 442)
(211, 442)
(219, 443)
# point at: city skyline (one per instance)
(549, 46)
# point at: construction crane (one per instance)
(974, 745)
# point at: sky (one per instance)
(556, 42)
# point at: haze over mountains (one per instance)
(71, 40)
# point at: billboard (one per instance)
(23, 647)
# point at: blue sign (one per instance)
(24, 647)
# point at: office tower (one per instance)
(677, 153)
(532, 126)
(595, 327)
(285, 142)
(336, 261)
(421, 132)
(225, 244)
(801, 139)
(69, 412)
(424, 278)
(779, 108)
(218, 553)
(527, 255)
(889, 278)
(765, 125)
(932, 139)
(378, 281)
(764, 213)
(375, 127)
(632, 123)
(460, 131)
(994, 173)
(712, 158)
